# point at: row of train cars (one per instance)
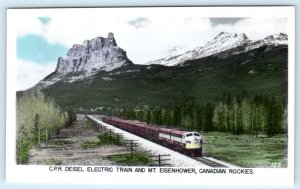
(186, 142)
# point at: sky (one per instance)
(43, 35)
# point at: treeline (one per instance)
(262, 114)
(37, 119)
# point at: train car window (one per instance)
(190, 134)
(196, 134)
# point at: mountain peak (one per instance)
(222, 34)
(110, 36)
(230, 35)
(226, 36)
(86, 59)
(243, 35)
(221, 42)
(111, 39)
(271, 40)
(93, 55)
(277, 37)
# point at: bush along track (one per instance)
(134, 159)
(106, 138)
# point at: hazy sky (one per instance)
(42, 35)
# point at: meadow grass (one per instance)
(134, 159)
(246, 151)
(103, 139)
(51, 161)
(90, 125)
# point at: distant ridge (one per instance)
(222, 42)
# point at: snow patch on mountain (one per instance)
(107, 78)
(271, 40)
(75, 78)
(222, 42)
(128, 71)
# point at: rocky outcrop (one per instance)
(92, 56)
(85, 60)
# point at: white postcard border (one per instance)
(42, 174)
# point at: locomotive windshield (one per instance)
(192, 134)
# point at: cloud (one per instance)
(224, 20)
(30, 73)
(139, 22)
(255, 28)
(36, 48)
(144, 37)
(44, 20)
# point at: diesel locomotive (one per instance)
(186, 142)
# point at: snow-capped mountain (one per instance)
(103, 54)
(271, 40)
(87, 59)
(222, 42)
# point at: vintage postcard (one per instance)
(186, 95)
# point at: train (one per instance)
(186, 142)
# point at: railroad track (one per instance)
(208, 162)
(202, 159)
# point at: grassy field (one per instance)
(103, 139)
(245, 151)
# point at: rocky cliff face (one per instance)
(93, 55)
(87, 59)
